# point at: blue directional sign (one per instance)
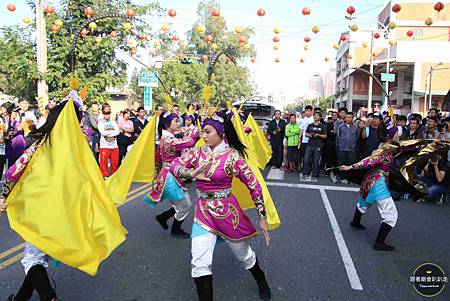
(148, 79)
(148, 98)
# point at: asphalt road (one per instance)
(303, 262)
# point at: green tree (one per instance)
(18, 72)
(97, 64)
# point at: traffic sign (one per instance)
(147, 98)
(388, 77)
(148, 79)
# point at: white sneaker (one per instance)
(314, 179)
(305, 178)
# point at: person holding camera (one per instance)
(316, 133)
(435, 176)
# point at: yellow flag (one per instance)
(61, 204)
(258, 142)
(138, 165)
(241, 191)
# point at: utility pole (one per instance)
(369, 99)
(41, 43)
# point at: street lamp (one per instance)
(430, 96)
(386, 36)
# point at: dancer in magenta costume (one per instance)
(35, 262)
(374, 190)
(166, 186)
(218, 213)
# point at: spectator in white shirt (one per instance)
(303, 124)
(109, 150)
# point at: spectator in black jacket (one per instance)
(139, 122)
(276, 131)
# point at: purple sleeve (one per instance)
(17, 169)
(182, 143)
(180, 166)
(368, 162)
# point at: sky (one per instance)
(287, 79)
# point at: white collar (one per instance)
(167, 134)
(220, 148)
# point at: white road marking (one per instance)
(275, 174)
(310, 186)
(352, 274)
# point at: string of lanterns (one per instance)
(215, 12)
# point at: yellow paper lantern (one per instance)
(306, 47)
(238, 29)
(364, 44)
(353, 27)
(392, 42)
(277, 30)
(246, 47)
(315, 29)
(200, 28)
(275, 46)
(214, 46)
(26, 20)
(93, 26)
(132, 43)
(60, 23)
(428, 21)
(392, 25)
(127, 26)
(165, 28)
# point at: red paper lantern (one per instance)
(261, 12)
(351, 10)
(11, 7)
(84, 32)
(209, 39)
(49, 10)
(306, 11)
(302, 60)
(277, 60)
(307, 39)
(396, 8)
(175, 38)
(376, 35)
(143, 37)
(89, 12)
(215, 12)
(410, 33)
(130, 13)
(343, 37)
(438, 6)
(172, 13)
(242, 39)
(54, 28)
(276, 39)
(113, 34)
